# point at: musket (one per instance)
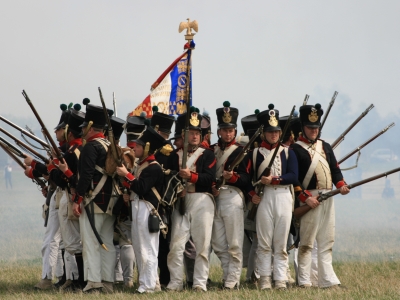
(110, 132)
(306, 99)
(36, 180)
(329, 109)
(23, 145)
(366, 143)
(182, 204)
(341, 137)
(302, 210)
(115, 104)
(253, 212)
(44, 129)
(243, 151)
(27, 133)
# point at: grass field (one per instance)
(366, 252)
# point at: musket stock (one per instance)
(341, 137)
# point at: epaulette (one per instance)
(166, 149)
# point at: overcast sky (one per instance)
(251, 53)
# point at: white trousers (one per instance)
(98, 263)
(273, 223)
(145, 246)
(196, 223)
(70, 231)
(51, 242)
(227, 235)
(318, 224)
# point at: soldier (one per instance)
(65, 176)
(275, 207)
(162, 123)
(52, 236)
(228, 227)
(146, 183)
(206, 130)
(318, 170)
(199, 207)
(95, 190)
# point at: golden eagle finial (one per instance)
(189, 26)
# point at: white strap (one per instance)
(222, 160)
(315, 159)
(267, 159)
(192, 159)
(96, 190)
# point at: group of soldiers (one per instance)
(92, 211)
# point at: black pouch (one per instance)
(154, 223)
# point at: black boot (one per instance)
(79, 262)
(64, 277)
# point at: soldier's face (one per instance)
(227, 134)
(311, 133)
(178, 143)
(194, 137)
(272, 137)
(138, 150)
(60, 134)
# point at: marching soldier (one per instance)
(95, 191)
(199, 207)
(228, 227)
(318, 170)
(146, 184)
(275, 207)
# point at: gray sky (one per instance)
(251, 53)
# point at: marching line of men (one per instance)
(91, 209)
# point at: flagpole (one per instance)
(189, 37)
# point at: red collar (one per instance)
(131, 144)
(77, 141)
(148, 158)
(96, 136)
(61, 143)
(205, 144)
(303, 139)
(268, 146)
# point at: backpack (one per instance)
(172, 186)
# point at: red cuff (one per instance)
(193, 177)
(30, 174)
(51, 167)
(126, 184)
(304, 195)
(68, 173)
(234, 178)
(33, 163)
(77, 199)
(56, 161)
(252, 193)
(340, 184)
(130, 177)
(276, 180)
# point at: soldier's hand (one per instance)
(185, 173)
(122, 171)
(28, 160)
(76, 209)
(182, 194)
(27, 171)
(266, 180)
(63, 166)
(312, 202)
(256, 199)
(126, 197)
(215, 192)
(344, 190)
(227, 175)
(73, 191)
(44, 191)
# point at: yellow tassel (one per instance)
(166, 149)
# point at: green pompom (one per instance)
(271, 106)
(317, 106)
(110, 112)
(77, 107)
(86, 101)
(226, 104)
(143, 114)
(155, 108)
(63, 107)
(257, 111)
(192, 109)
(197, 110)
